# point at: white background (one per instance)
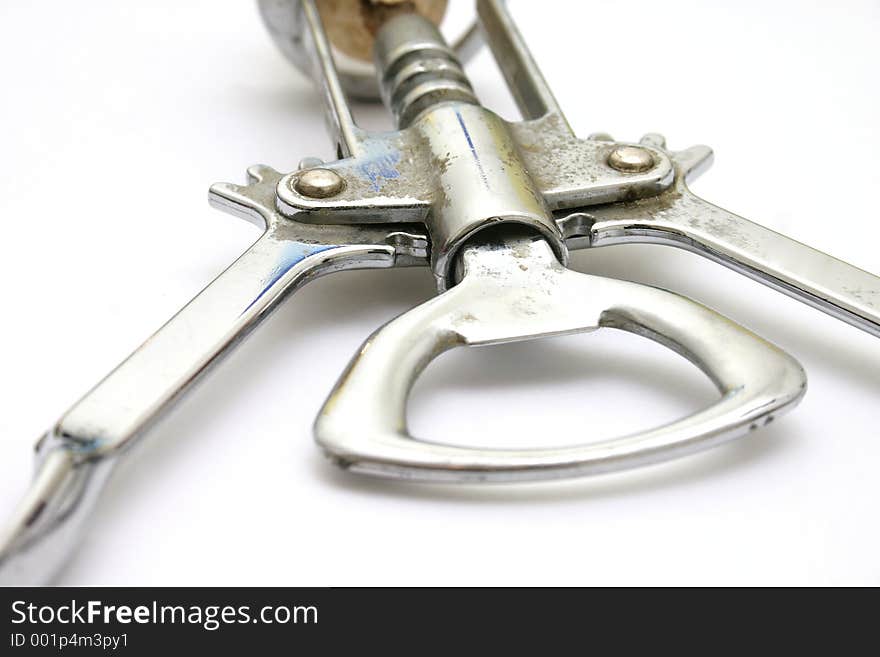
(116, 116)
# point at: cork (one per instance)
(351, 25)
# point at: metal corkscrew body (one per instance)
(493, 207)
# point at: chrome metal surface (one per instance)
(481, 182)
(679, 218)
(457, 166)
(288, 27)
(395, 178)
(439, 188)
(530, 90)
(417, 69)
(77, 455)
(315, 47)
(514, 288)
(392, 176)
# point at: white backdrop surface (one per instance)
(115, 118)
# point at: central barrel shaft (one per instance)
(480, 177)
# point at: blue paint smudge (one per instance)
(379, 165)
(292, 254)
(82, 446)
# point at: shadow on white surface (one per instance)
(367, 299)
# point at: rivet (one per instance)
(318, 183)
(630, 159)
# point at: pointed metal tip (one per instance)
(693, 161)
(654, 139)
(257, 173)
(33, 543)
(224, 190)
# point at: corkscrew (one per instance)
(493, 208)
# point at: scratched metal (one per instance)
(679, 218)
(513, 288)
(396, 177)
(77, 455)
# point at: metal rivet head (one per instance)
(318, 183)
(630, 159)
